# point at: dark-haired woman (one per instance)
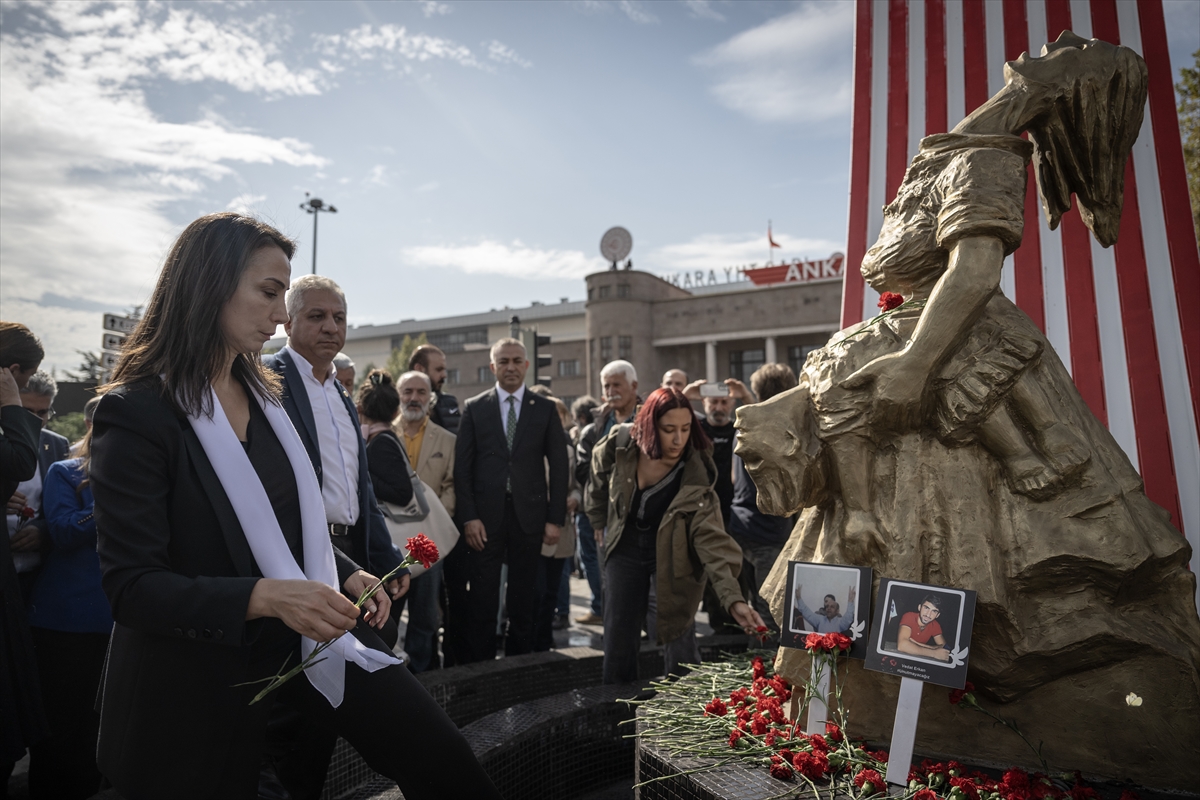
(651, 488)
(378, 406)
(216, 557)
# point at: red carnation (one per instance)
(734, 735)
(779, 769)
(762, 632)
(818, 743)
(786, 755)
(835, 641)
(869, 776)
(758, 725)
(760, 669)
(421, 548)
(890, 300)
(813, 641)
(925, 794)
(833, 732)
(717, 708)
(967, 787)
(956, 695)
(811, 765)
(879, 755)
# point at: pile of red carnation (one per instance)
(950, 779)
(827, 643)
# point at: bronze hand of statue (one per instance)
(896, 385)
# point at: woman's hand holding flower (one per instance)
(378, 605)
(746, 616)
(310, 608)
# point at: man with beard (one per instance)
(829, 619)
(444, 410)
(619, 381)
(718, 424)
(430, 449)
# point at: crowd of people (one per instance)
(224, 505)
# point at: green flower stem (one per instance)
(280, 678)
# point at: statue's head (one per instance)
(777, 441)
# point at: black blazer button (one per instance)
(179, 631)
(191, 634)
(220, 634)
(207, 633)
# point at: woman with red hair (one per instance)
(651, 489)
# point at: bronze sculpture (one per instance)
(946, 443)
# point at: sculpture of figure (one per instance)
(946, 442)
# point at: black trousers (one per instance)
(393, 723)
(549, 579)
(63, 766)
(521, 549)
(456, 609)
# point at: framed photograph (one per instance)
(827, 598)
(922, 631)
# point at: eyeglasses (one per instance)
(46, 414)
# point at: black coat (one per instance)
(483, 464)
(178, 573)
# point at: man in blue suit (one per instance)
(325, 418)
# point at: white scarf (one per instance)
(274, 558)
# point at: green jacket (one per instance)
(692, 542)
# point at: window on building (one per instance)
(797, 354)
(456, 341)
(485, 375)
(605, 349)
(568, 368)
(623, 290)
(605, 291)
(452, 376)
(743, 363)
(625, 347)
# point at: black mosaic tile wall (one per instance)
(473, 692)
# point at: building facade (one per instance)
(713, 331)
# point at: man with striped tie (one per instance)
(509, 503)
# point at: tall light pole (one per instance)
(314, 206)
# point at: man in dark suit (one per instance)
(510, 477)
(328, 424)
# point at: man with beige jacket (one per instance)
(430, 449)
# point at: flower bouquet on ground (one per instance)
(421, 550)
(715, 716)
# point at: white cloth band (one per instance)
(257, 517)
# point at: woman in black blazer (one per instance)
(194, 614)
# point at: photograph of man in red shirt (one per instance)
(920, 633)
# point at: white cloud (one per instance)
(432, 8)
(378, 176)
(702, 9)
(89, 169)
(503, 54)
(794, 68)
(515, 260)
(393, 45)
(717, 251)
(245, 203)
(636, 12)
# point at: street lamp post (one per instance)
(314, 206)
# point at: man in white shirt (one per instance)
(325, 417)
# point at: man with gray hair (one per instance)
(343, 369)
(510, 476)
(619, 381)
(430, 451)
(27, 528)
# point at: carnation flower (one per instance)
(779, 769)
(421, 548)
(818, 743)
(870, 781)
(967, 787)
(925, 794)
(833, 732)
(760, 669)
(957, 695)
(811, 765)
(734, 735)
(28, 513)
(890, 300)
(717, 708)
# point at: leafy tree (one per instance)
(397, 363)
(89, 371)
(1189, 128)
(70, 425)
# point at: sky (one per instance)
(475, 151)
